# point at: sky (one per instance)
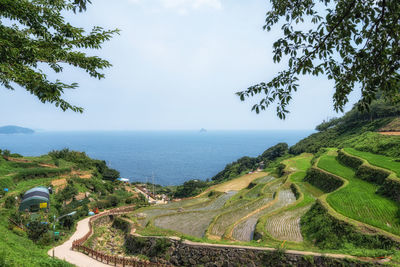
(176, 66)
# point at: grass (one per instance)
(377, 160)
(358, 199)
(21, 251)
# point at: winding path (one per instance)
(64, 251)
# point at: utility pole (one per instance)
(152, 174)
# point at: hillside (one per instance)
(79, 184)
(11, 129)
(336, 191)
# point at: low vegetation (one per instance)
(359, 200)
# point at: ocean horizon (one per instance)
(171, 157)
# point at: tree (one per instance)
(34, 37)
(36, 229)
(354, 43)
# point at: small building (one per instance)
(35, 199)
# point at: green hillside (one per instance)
(319, 198)
(79, 184)
(336, 191)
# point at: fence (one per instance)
(110, 259)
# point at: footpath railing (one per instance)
(105, 258)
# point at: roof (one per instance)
(38, 193)
(38, 189)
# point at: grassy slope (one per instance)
(19, 250)
(300, 165)
(377, 160)
(358, 199)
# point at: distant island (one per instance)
(202, 130)
(11, 129)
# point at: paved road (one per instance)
(64, 251)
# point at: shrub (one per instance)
(251, 185)
(135, 244)
(67, 222)
(18, 231)
(10, 202)
(32, 173)
(281, 169)
(67, 193)
(113, 201)
(190, 188)
(122, 224)
(390, 189)
(295, 190)
(36, 229)
(327, 232)
(160, 247)
(325, 181)
(348, 160)
(371, 174)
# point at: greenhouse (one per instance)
(35, 199)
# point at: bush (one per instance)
(45, 240)
(19, 231)
(295, 190)
(281, 169)
(36, 229)
(32, 173)
(327, 232)
(135, 244)
(348, 160)
(10, 202)
(67, 222)
(67, 193)
(190, 188)
(390, 189)
(160, 247)
(325, 181)
(122, 224)
(371, 174)
(251, 185)
(243, 164)
(113, 201)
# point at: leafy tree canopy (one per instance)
(35, 37)
(354, 43)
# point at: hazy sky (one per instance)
(176, 65)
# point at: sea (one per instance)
(165, 157)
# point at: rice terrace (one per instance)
(201, 147)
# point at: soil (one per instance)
(390, 133)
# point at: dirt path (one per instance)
(390, 133)
(64, 251)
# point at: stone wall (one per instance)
(183, 253)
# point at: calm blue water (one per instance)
(173, 156)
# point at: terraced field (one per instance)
(358, 199)
(190, 223)
(286, 225)
(228, 218)
(244, 231)
(377, 160)
(196, 204)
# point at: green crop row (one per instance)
(33, 173)
(358, 199)
(390, 183)
(326, 231)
